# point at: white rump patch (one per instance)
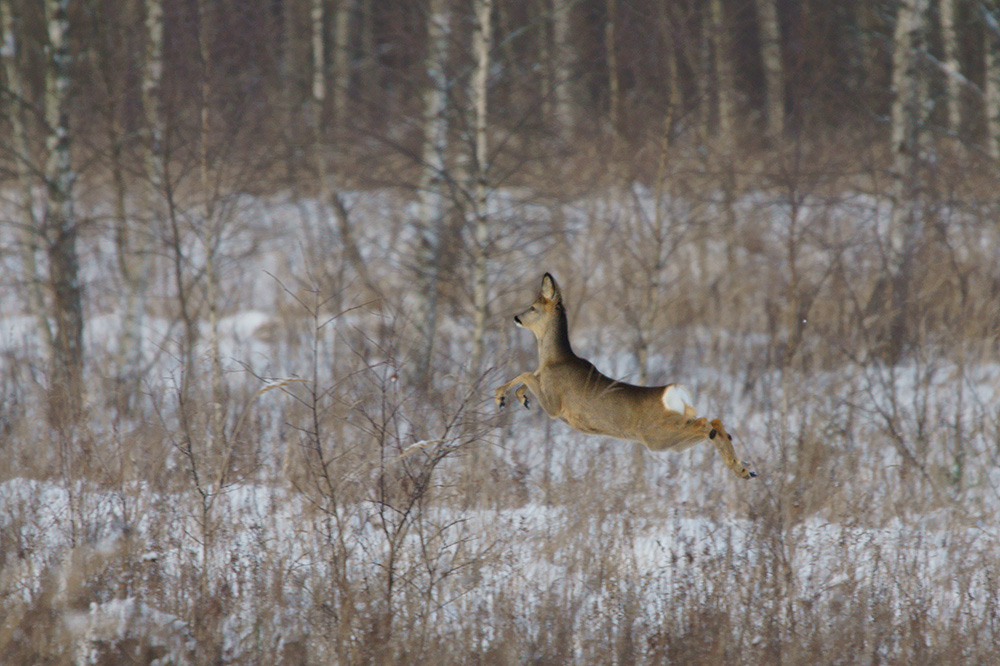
(677, 398)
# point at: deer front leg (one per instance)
(500, 394)
(724, 443)
(550, 402)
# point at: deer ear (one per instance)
(550, 289)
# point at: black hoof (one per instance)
(526, 404)
(503, 401)
(712, 434)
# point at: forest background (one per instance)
(259, 258)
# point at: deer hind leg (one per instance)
(724, 443)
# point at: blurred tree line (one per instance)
(560, 68)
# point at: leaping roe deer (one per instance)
(570, 388)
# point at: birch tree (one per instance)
(329, 197)
(132, 241)
(562, 66)
(317, 99)
(544, 46)
(152, 77)
(724, 76)
(28, 225)
(611, 51)
(864, 55)
(769, 30)
(60, 225)
(289, 65)
(673, 102)
(211, 231)
(341, 59)
(704, 67)
(991, 60)
(482, 45)
(952, 81)
(432, 200)
(908, 116)
(318, 86)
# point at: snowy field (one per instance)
(336, 516)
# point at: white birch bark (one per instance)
(212, 229)
(318, 59)
(724, 77)
(28, 228)
(907, 114)
(341, 59)
(908, 111)
(562, 67)
(60, 224)
(152, 75)
(432, 202)
(318, 103)
(991, 36)
(952, 81)
(769, 29)
(482, 45)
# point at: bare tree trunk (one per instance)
(705, 73)
(29, 234)
(724, 77)
(317, 106)
(328, 194)
(952, 82)
(562, 67)
(341, 59)
(211, 226)
(991, 26)
(60, 226)
(546, 87)
(152, 76)
(908, 109)
(907, 112)
(132, 241)
(482, 44)
(611, 51)
(318, 61)
(367, 55)
(432, 203)
(673, 93)
(864, 57)
(769, 29)
(290, 68)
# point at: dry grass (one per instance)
(325, 512)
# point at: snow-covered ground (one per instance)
(946, 570)
(877, 493)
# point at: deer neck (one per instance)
(553, 343)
